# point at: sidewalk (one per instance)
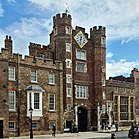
(80, 135)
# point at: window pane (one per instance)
(36, 100)
(80, 67)
(11, 73)
(34, 76)
(81, 54)
(124, 108)
(12, 100)
(81, 91)
(51, 102)
(68, 47)
(11, 125)
(51, 78)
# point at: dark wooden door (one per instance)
(1, 128)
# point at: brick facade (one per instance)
(78, 61)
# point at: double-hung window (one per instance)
(33, 76)
(51, 78)
(11, 72)
(12, 100)
(51, 102)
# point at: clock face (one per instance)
(80, 39)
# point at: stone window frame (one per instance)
(12, 125)
(81, 54)
(68, 29)
(51, 78)
(12, 101)
(51, 102)
(68, 47)
(81, 91)
(68, 63)
(34, 76)
(81, 66)
(11, 73)
(69, 92)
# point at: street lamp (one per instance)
(31, 132)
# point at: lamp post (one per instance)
(31, 132)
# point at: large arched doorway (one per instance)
(82, 119)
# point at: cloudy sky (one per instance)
(31, 21)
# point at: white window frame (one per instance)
(11, 73)
(68, 47)
(33, 76)
(80, 54)
(12, 126)
(68, 63)
(30, 103)
(81, 91)
(68, 29)
(84, 68)
(103, 82)
(12, 101)
(51, 78)
(69, 92)
(51, 103)
(68, 78)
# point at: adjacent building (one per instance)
(122, 99)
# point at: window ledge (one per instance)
(52, 111)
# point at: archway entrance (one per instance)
(82, 119)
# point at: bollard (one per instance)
(112, 136)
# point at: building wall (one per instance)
(4, 113)
(20, 116)
(117, 92)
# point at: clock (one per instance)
(80, 39)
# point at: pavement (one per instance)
(80, 135)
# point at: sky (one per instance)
(31, 21)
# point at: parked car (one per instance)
(134, 132)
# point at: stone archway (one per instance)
(82, 119)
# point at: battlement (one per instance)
(35, 45)
(98, 30)
(62, 18)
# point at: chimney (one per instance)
(8, 44)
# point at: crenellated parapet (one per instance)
(100, 30)
(62, 19)
(35, 49)
(37, 62)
